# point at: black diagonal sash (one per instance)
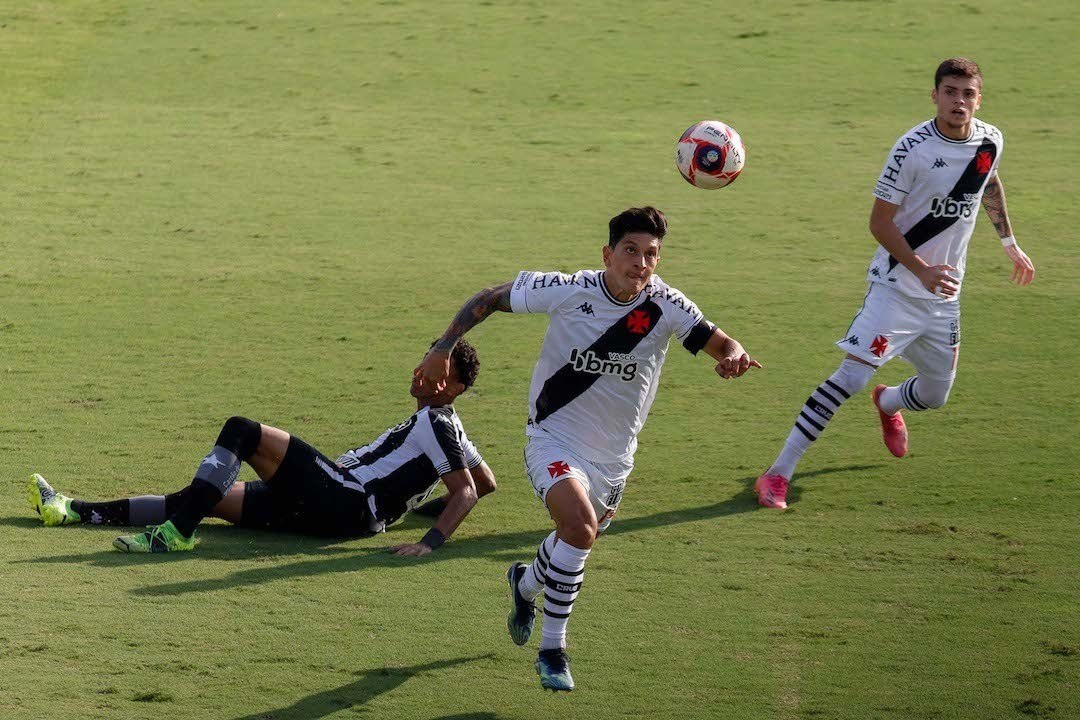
(567, 384)
(971, 180)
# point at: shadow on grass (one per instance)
(371, 684)
(224, 543)
(21, 521)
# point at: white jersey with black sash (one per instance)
(600, 362)
(401, 468)
(938, 183)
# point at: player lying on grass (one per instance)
(591, 392)
(301, 490)
(925, 205)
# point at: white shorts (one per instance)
(547, 462)
(926, 333)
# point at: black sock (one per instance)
(237, 441)
(113, 512)
(142, 510)
(201, 499)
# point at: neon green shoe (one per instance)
(156, 539)
(54, 508)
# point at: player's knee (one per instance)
(240, 436)
(855, 375)
(579, 531)
(933, 393)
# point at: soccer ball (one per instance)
(710, 154)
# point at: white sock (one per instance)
(890, 401)
(851, 377)
(532, 582)
(564, 575)
(916, 393)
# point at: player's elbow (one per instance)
(466, 495)
(876, 225)
(485, 484)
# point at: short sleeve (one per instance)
(898, 176)
(540, 292)
(1000, 139)
(687, 324)
(472, 456)
(446, 435)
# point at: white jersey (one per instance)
(938, 184)
(600, 362)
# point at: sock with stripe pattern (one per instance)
(851, 377)
(565, 573)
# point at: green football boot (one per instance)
(553, 667)
(54, 508)
(156, 539)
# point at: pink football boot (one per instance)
(772, 491)
(893, 429)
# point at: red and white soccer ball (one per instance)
(710, 154)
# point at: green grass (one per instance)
(269, 209)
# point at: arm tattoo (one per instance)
(473, 313)
(993, 201)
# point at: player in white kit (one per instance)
(591, 391)
(925, 205)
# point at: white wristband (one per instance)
(1007, 241)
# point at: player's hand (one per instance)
(433, 370)
(1023, 269)
(733, 367)
(936, 279)
(411, 549)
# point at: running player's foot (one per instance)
(772, 491)
(54, 508)
(553, 667)
(155, 539)
(893, 429)
(522, 616)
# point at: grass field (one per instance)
(269, 209)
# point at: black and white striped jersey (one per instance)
(938, 183)
(401, 468)
(599, 366)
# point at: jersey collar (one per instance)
(941, 136)
(612, 298)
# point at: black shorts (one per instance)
(306, 497)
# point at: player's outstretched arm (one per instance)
(459, 501)
(732, 361)
(993, 201)
(435, 367)
(935, 278)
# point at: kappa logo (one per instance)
(852, 340)
(874, 271)
(880, 346)
(939, 163)
(586, 308)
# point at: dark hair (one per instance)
(465, 361)
(957, 67)
(644, 219)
